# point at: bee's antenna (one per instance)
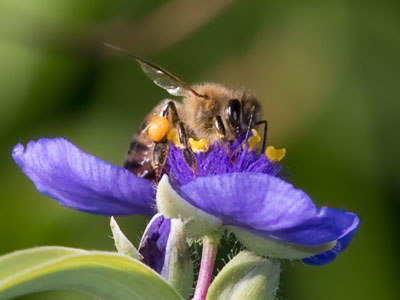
(116, 48)
(160, 76)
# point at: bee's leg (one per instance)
(187, 152)
(249, 127)
(264, 135)
(219, 125)
(170, 110)
(160, 153)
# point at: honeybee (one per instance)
(208, 112)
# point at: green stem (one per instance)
(209, 253)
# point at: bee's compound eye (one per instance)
(158, 128)
(234, 114)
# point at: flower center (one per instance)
(219, 158)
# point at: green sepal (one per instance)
(105, 275)
(246, 277)
(197, 222)
(122, 243)
(275, 248)
(178, 266)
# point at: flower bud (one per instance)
(246, 277)
(163, 247)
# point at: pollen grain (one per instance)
(275, 154)
(198, 146)
(254, 139)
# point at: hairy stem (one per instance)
(209, 253)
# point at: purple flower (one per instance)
(232, 189)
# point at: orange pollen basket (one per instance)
(158, 128)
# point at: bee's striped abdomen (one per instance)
(138, 159)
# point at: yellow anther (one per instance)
(173, 136)
(158, 128)
(198, 146)
(254, 139)
(275, 154)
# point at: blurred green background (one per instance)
(327, 73)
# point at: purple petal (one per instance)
(328, 256)
(268, 207)
(327, 225)
(81, 181)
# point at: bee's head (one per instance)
(242, 113)
(223, 114)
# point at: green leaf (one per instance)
(106, 275)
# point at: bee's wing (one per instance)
(163, 79)
(160, 77)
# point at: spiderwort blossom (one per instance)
(233, 189)
(243, 193)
